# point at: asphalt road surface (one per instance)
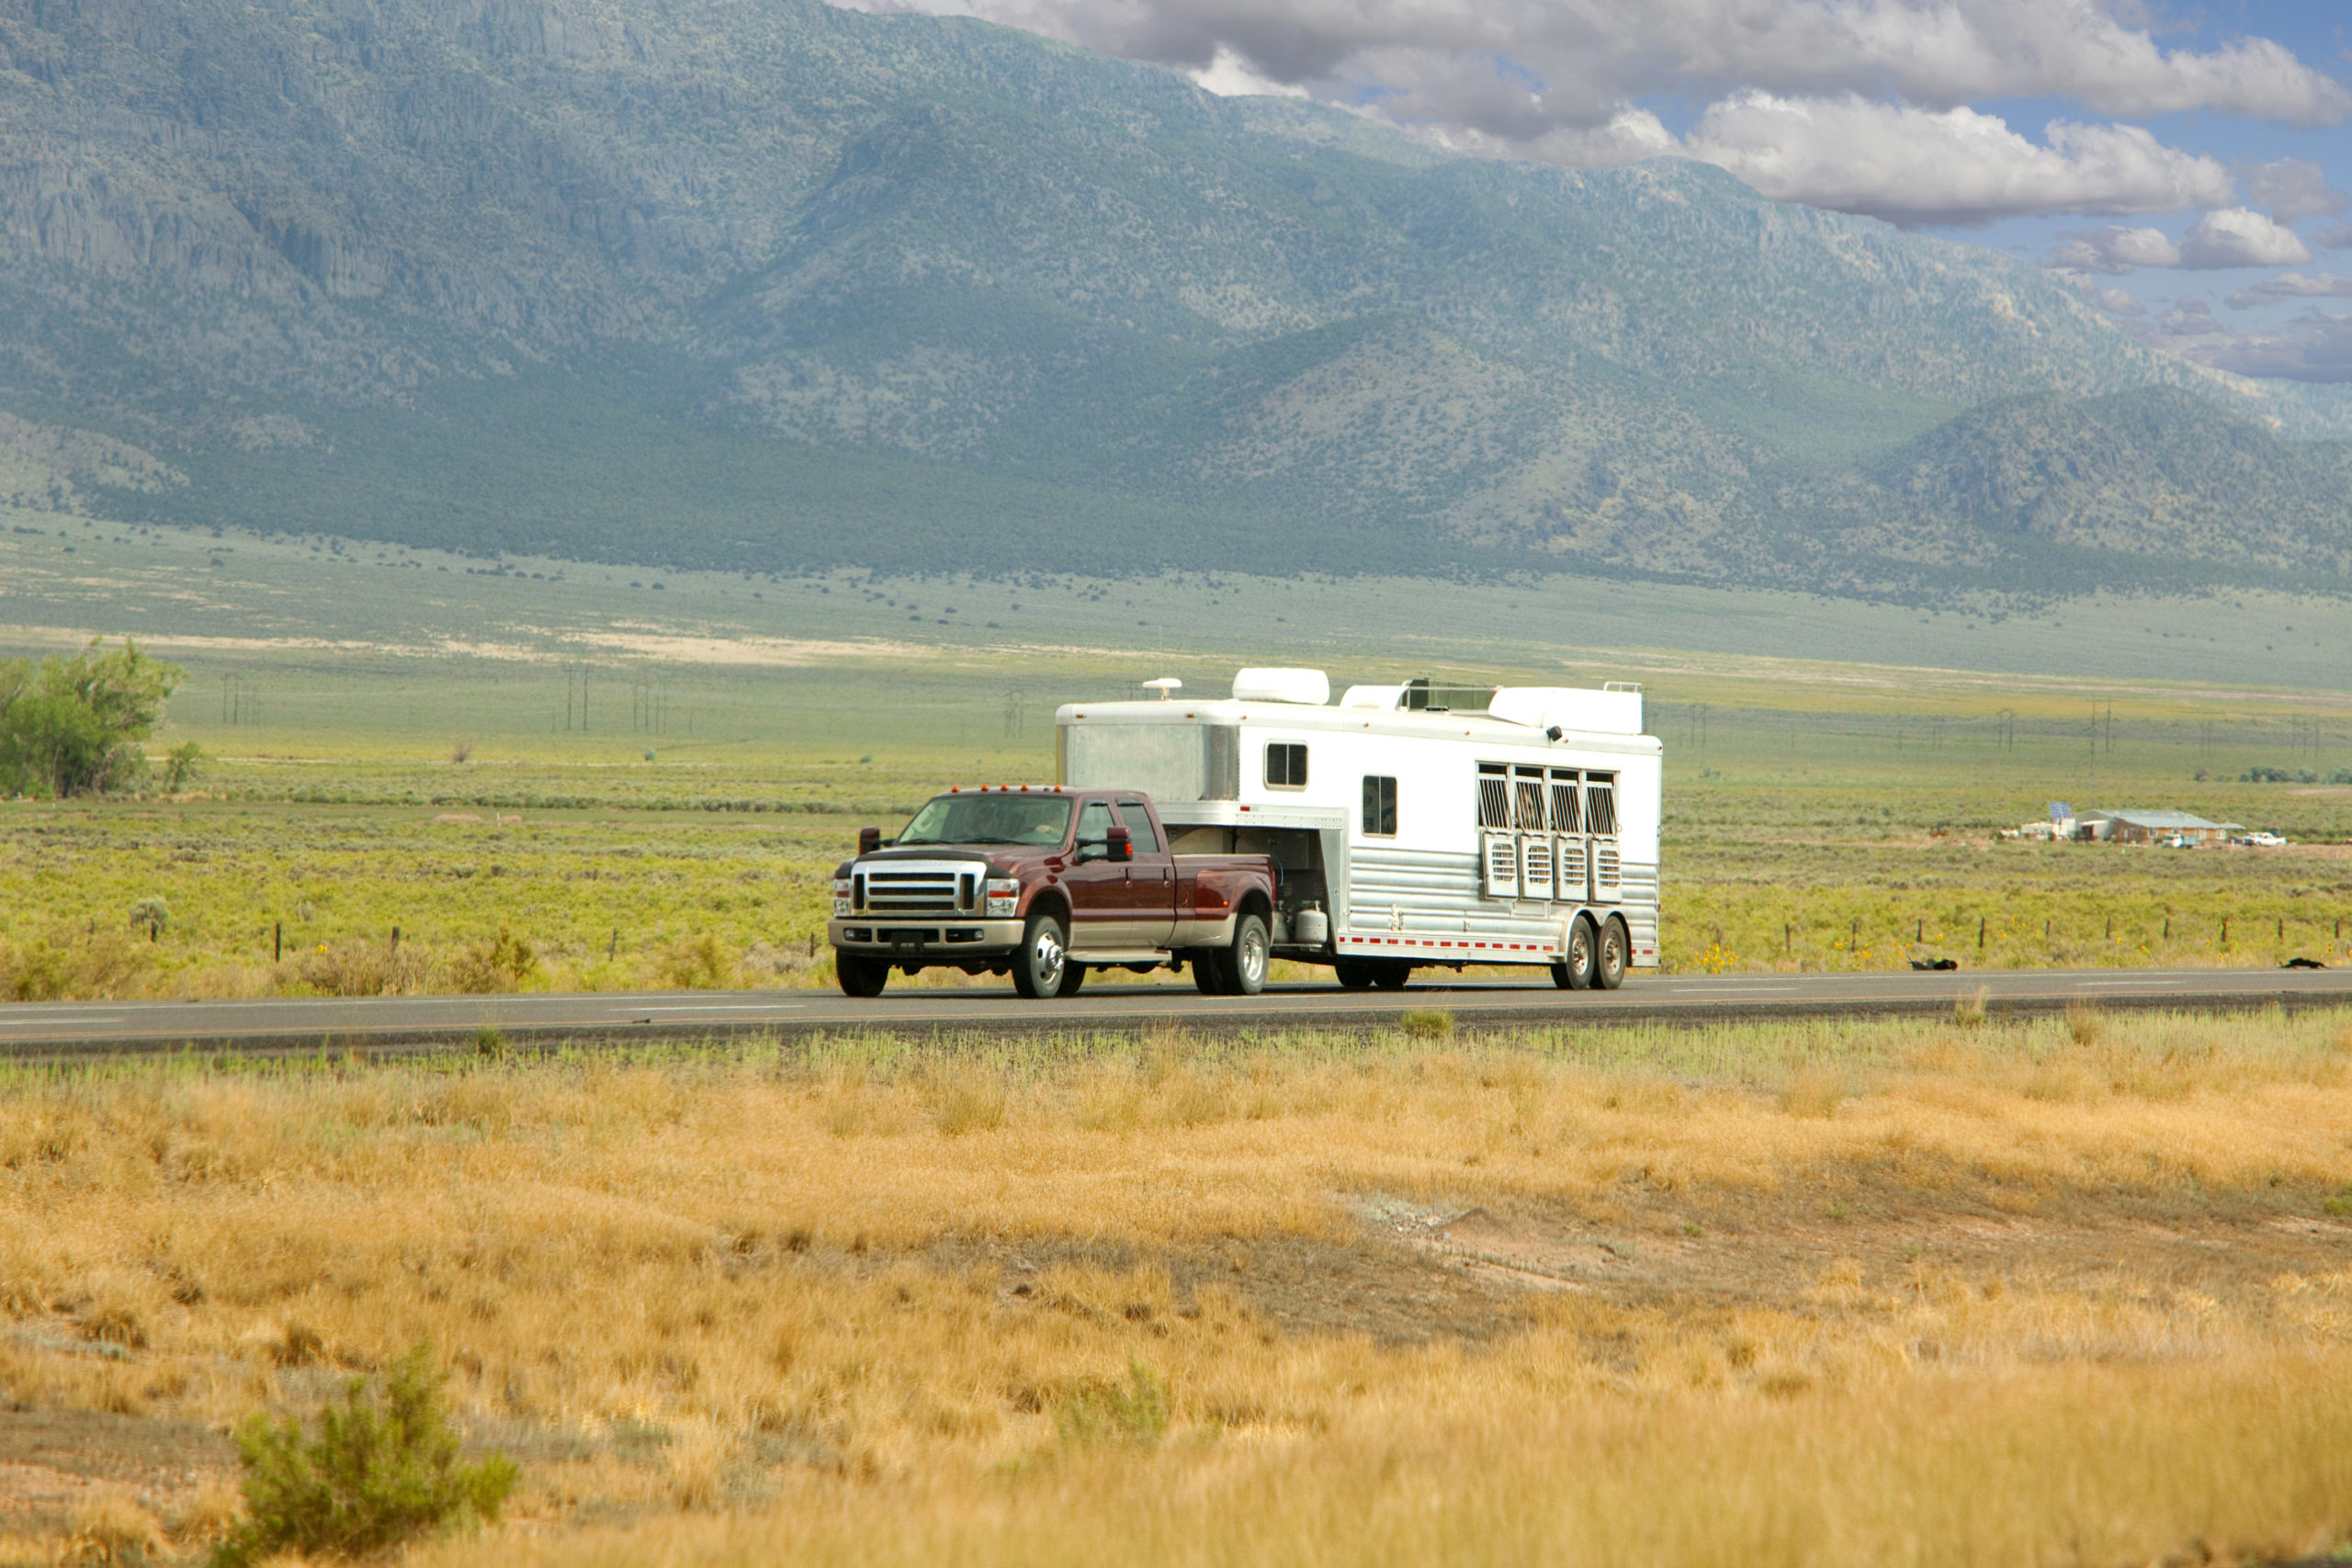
(377, 1023)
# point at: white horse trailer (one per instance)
(1415, 825)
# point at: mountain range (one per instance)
(772, 286)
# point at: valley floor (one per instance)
(2070, 1291)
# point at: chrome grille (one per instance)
(918, 890)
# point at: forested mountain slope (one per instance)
(775, 285)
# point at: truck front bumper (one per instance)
(931, 939)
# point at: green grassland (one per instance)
(650, 786)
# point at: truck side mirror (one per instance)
(868, 840)
(1123, 844)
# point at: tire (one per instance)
(1244, 964)
(1394, 977)
(860, 976)
(1073, 977)
(1355, 974)
(1616, 952)
(1038, 967)
(1575, 970)
(1208, 971)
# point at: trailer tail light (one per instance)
(1004, 897)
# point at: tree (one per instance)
(72, 726)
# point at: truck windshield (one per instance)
(1041, 820)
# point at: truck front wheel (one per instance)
(860, 976)
(1043, 963)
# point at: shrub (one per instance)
(1135, 1412)
(180, 764)
(361, 969)
(66, 963)
(1427, 1025)
(382, 1471)
(1969, 1011)
(502, 964)
(698, 963)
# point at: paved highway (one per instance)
(70, 1029)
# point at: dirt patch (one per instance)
(51, 1461)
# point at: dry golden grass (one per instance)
(1876, 1293)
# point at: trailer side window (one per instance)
(1600, 804)
(1379, 806)
(1566, 816)
(1527, 794)
(1286, 765)
(1494, 795)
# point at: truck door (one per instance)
(1098, 885)
(1600, 825)
(1151, 879)
(1534, 821)
(1572, 858)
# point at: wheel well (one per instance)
(1051, 903)
(1254, 903)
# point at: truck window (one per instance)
(1379, 806)
(1095, 824)
(1494, 795)
(1137, 822)
(1039, 820)
(1286, 765)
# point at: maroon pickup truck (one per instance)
(1045, 884)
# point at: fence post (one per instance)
(277, 945)
(1980, 933)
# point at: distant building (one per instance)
(2150, 828)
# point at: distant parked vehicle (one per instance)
(2261, 841)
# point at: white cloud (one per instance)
(1920, 167)
(1518, 68)
(2116, 302)
(2290, 190)
(2235, 237)
(2315, 348)
(2115, 251)
(1229, 76)
(2292, 286)
(2230, 238)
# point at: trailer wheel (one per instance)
(1394, 977)
(1608, 968)
(1355, 974)
(1574, 971)
(860, 976)
(1244, 964)
(1037, 968)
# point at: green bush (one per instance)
(381, 1471)
(72, 726)
(1135, 1412)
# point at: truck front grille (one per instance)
(920, 889)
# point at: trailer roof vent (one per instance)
(1167, 686)
(1271, 685)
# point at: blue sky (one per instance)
(2182, 165)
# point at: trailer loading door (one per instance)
(1600, 826)
(1498, 843)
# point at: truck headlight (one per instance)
(841, 896)
(1004, 896)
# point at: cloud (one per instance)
(1518, 68)
(1920, 167)
(2290, 190)
(2334, 237)
(2292, 286)
(2116, 302)
(2235, 237)
(1228, 76)
(2314, 347)
(2115, 251)
(2232, 237)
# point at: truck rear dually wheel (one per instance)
(1038, 969)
